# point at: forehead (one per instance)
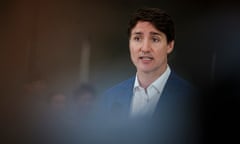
(144, 27)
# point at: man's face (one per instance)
(149, 48)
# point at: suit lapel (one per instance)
(167, 97)
(122, 101)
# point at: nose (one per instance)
(146, 46)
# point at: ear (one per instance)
(170, 46)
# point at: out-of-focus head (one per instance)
(57, 101)
(84, 95)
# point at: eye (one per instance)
(137, 38)
(156, 39)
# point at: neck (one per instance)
(146, 78)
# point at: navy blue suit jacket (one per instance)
(174, 118)
(177, 92)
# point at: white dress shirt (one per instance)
(144, 101)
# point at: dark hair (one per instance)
(158, 17)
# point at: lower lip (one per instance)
(146, 61)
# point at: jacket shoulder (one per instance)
(180, 82)
(122, 86)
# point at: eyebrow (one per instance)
(137, 33)
(155, 33)
(152, 33)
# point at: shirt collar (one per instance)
(158, 83)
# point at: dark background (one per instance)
(42, 39)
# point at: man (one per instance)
(156, 92)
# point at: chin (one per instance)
(145, 70)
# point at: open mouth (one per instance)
(146, 58)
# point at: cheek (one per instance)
(134, 47)
(133, 54)
(160, 54)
